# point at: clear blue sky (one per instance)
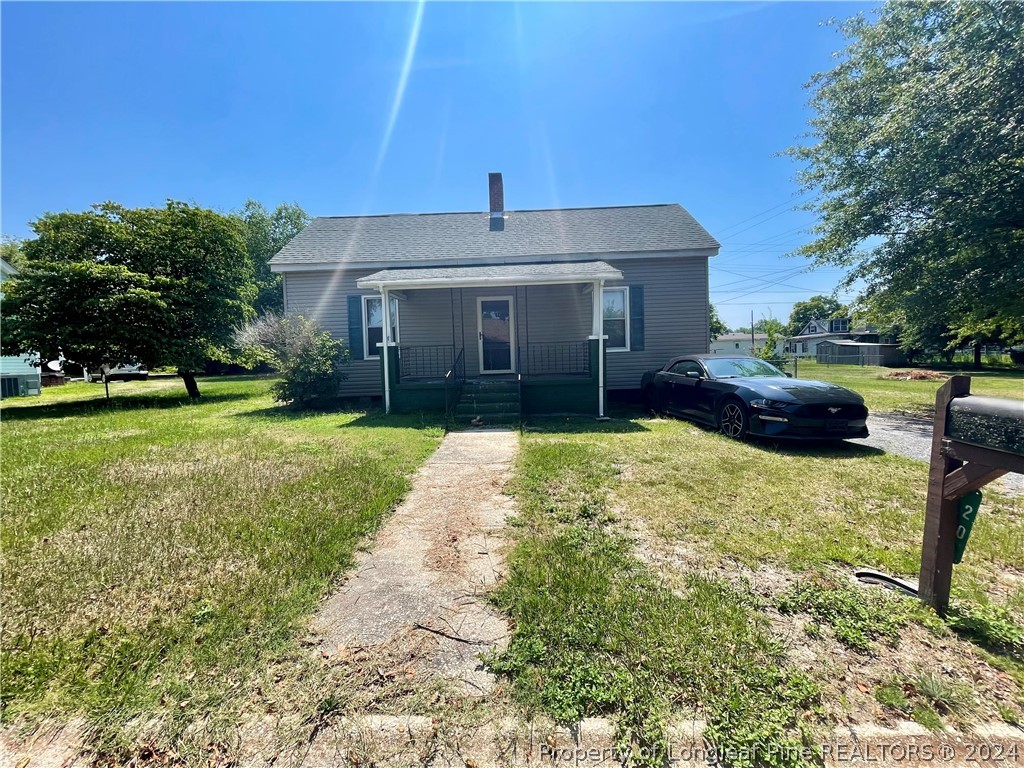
(577, 105)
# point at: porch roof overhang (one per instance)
(497, 275)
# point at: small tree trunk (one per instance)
(977, 355)
(190, 383)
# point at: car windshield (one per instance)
(728, 368)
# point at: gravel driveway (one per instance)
(912, 437)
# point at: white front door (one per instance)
(496, 334)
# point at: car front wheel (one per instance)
(732, 420)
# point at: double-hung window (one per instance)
(616, 319)
(373, 325)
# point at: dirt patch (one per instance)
(916, 376)
(420, 590)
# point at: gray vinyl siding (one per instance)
(675, 313)
(322, 296)
(675, 310)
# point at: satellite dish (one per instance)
(53, 365)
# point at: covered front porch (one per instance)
(487, 339)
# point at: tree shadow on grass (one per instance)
(94, 406)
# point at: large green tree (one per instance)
(165, 286)
(266, 233)
(917, 152)
(814, 308)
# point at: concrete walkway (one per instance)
(429, 568)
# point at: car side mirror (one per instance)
(693, 375)
(788, 374)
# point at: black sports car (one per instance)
(745, 395)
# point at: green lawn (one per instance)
(160, 553)
(917, 397)
(599, 631)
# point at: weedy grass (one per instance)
(596, 633)
(917, 397)
(859, 617)
(928, 697)
(160, 553)
(803, 507)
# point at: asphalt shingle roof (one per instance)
(465, 237)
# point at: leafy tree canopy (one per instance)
(265, 234)
(165, 286)
(715, 324)
(917, 150)
(815, 308)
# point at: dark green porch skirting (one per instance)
(544, 394)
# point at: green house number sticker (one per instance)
(968, 510)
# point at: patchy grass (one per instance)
(798, 506)
(930, 699)
(917, 397)
(162, 553)
(597, 633)
(758, 514)
(858, 617)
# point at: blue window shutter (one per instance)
(355, 326)
(636, 318)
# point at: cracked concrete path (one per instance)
(430, 567)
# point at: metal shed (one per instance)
(844, 352)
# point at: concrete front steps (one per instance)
(490, 402)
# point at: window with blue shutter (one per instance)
(636, 318)
(355, 326)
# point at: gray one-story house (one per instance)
(541, 310)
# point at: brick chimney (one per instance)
(497, 190)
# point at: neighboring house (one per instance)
(18, 376)
(565, 304)
(818, 339)
(740, 344)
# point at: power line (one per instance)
(796, 196)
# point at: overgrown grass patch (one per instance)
(597, 633)
(161, 553)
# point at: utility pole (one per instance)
(753, 345)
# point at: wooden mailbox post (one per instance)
(974, 441)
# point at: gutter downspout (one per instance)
(386, 351)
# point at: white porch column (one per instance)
(598, 333)
(386, 351)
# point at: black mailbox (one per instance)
(990, 422)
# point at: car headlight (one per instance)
(774, 405)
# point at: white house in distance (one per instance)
(741, 344)
(17, 374)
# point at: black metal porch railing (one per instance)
(561, 358)
(454, 378)
(425, 362)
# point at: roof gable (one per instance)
(468, 237)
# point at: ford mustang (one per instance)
(745, 395)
